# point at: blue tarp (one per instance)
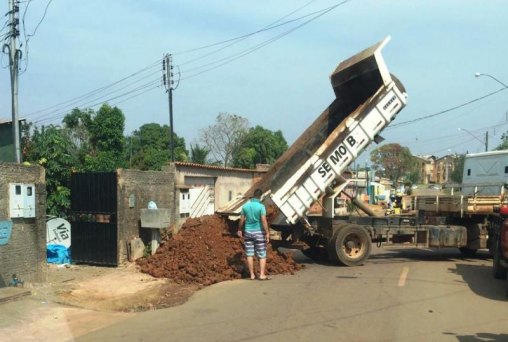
(58, 254)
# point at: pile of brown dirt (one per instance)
(207, 251)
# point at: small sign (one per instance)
(5, 232)
(58, 232)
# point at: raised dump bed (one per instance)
(367, 100)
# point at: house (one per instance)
(202, 189)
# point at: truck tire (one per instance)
(498, 271)
(350, 245)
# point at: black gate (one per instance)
(94, 218)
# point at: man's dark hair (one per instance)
(258, 193)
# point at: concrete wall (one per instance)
(25, 253)
(135, 190)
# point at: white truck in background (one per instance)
(485, 173)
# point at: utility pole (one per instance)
(14, 56)
(486, 141)
(167, 67)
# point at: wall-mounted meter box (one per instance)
(21, 200)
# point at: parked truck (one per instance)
(311, 171)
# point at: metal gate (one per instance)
(94, 218)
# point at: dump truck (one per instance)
(311, 171)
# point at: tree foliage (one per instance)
(504, 142)
(396, 160)
(50, 147)
(225, 137)
(199, 154)
(149, 147)
(458, 169)
(260, 146)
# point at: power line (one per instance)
(229, 59)
(94, 99)
(48, 111)
(236, 40)
(446, 110)
(142, 87)
(29, 36)
(266, 28)
(77, 99)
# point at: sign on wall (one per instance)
(58, 232)
(5, 232)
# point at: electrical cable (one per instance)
(71, 105)
(250, 50)
(142, 87)
(446, 110)
(270, 26)
(266, 28)
(76, 100)
(223, 61)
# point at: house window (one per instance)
(230, 195)
(469, 172)
(506, 169)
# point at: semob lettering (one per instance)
(336, 156)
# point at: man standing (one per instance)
(256, 234)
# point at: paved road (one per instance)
(398, 296)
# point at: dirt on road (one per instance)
(207, 251)
(204, 252)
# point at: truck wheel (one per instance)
(498, 270)
(468, 252)
(350, 245)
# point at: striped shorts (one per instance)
(255, 242)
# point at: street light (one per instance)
(478, 74)
(486, 141)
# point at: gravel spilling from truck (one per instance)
(207, 251)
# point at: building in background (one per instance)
(7, 141)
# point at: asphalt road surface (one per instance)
(399, 295)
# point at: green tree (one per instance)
(51, 146)
(106, 152)
(149, 147)
(260, 146)
(76, 126)
(504, 142)
(458, 169)
(199, 154)
(396, 160)
(225, 137)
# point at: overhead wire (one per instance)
(27, 37)
(78, 100)
(403, 123)
(266, 28)
(250, 50)
(91, 105)
(239, 39)
(103, 97)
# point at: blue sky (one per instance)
(436, 47)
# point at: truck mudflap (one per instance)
(368, 98)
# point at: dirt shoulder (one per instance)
(122, 288)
